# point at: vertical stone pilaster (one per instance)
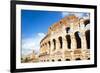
(64, 42)
(42, 48)
(48, 48)
(73, 42)
(64, 47)
(83, 39)
(52, 45)
(57, 44)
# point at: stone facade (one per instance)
(30, 58)
(66, 40)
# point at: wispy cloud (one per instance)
(31, 43)
(78, 14)
(65, 14)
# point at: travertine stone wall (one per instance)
(56, 47)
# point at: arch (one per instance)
(49, 44)
(67, 29)
(67, 59)
(60, 41)
(78, 39)
(54, 43)
(45, 44)
(87, 34)
(88, 58)
(68, 39)
(78, 59)
(41, 46)
(48, 60)
(59, 59)
(53, 60)
(86, 22)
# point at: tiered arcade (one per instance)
(66, 40)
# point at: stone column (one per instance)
(52, 45)
(73, 42)
(64, 43)
(84, 45)
(64, 47)
(83, 40)
(48, 47)
(42, 47)
(57, 44)
(73, 45)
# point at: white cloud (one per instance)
(65, 14)
(41, 34)
(32, 43)
(80, 15)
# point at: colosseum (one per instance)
(66, 40)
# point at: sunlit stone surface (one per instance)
(66, 40)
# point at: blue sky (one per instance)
(38, 21)
(35, 25)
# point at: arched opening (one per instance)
(88, 59)
(54, 43)
(67, 59)
(53, 60)
(60, 41)
(78, 39)
(68, 39)
(49, 44)
(41, 46)
(59, 59)
(45, 44)
(87, 34)
(86, 22)
(47, 60)
(67, 29)
(77, 59)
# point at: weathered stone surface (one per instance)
(62, 49)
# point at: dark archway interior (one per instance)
(67, 59)
(67, 29)
(53, 60)
(88, 59)
(78, 40)
(68, 41)
(49, 44)
(87, 33)
(54, 42)
(47, 60)
(77, 59)
(59, 59)
(86, 22)
(61, 43)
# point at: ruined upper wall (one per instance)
(64, 22)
